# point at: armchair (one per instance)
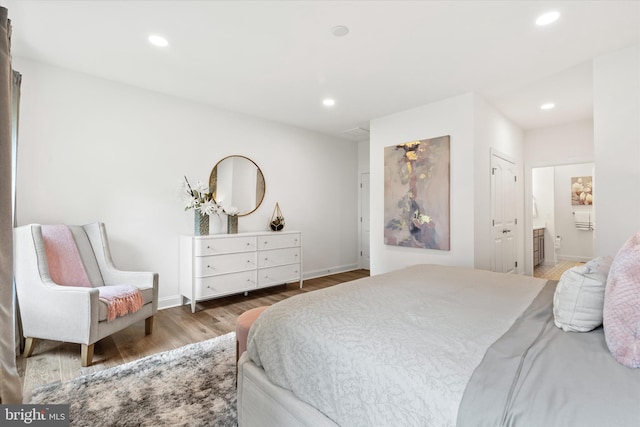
(70, 313)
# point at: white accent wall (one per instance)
(568, 143)
(475, 129)
(565, 144)
(616, 95)
(94, 150)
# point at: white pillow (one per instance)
(579, 296)
(600, 265)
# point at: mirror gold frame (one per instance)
(237, 181)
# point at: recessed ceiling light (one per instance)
(547, 106)
(157, 40)
(340, 30)
(329, 102)
(548, 18)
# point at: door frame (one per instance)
(361, 208)
(517, 227)
(528, 205)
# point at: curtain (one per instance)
(15, 119)
(10, 384)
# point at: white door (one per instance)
(364, 222)
(503, 213)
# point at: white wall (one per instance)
(575, 244)
(95, 150)
(493, 133)
(363, 157)
(616, 96)
(569, 143)
(454, 117)
(476, 128)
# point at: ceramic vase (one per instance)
(201, 224)
(232, 224)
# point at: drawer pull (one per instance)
(266, 259)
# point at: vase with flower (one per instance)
(200, 199)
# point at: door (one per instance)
(503, 213)
(364, 222)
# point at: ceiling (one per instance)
(279, 59)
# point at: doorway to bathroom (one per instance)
(562, 217)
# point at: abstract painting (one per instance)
(416, 194)
(582, 190)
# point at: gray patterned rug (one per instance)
(189, 386)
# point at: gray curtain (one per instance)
(10, 384)
(15, 119)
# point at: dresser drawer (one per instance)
(278, 257)
(225, 284)
(276, 275)
(277, 241)
(224, 245)
(223, 264)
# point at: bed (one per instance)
(430, 345)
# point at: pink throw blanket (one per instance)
(66, 269)
(121, 300)
(65, 264)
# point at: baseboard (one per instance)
(577, 258)
(329, 271)
(176, 300)
(169, 302)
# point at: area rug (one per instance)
(189, 386)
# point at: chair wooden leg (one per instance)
(87, 354)
(29, 344)
(148, 325)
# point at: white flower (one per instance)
(199, 198)
(209, 207)
(190, 203)
(231, 211)
(200, 187)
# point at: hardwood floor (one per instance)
(54, 361)
(554, 272)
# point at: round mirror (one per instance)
(236, 181)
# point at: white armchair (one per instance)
(74, 314)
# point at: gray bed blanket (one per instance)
(538, 375)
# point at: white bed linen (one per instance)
(393, 349)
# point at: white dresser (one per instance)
(224, 264)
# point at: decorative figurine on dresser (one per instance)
(217, 265)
